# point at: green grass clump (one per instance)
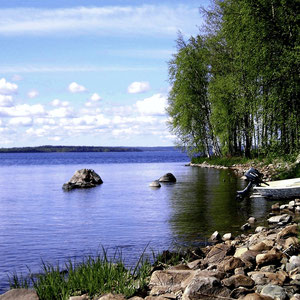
(292, 172)
(93, 276)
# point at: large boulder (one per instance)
(84, 178)
(169, 177)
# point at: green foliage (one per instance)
(245, 65)
(93, 276)
(292, 172)
(221, 161)
(188, 101)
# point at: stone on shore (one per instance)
(288, 231)
(246, 226)
(205, 287)
(227, 237)
(169, 177)
(84, 178)
(111, 296)
(252, 220)
(215, 237)
(236, 281)
(269, 258)
(217, 254)
(284, 219)
(20, 294)
(260, 229)
(274, 291)
(169, 280)
(255, 296)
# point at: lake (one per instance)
(38, 220)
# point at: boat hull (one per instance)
(281, 189)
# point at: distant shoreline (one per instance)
(51, 149)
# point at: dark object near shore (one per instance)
(169, 177)
(254, 177)
(84, 178)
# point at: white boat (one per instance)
(280, 189)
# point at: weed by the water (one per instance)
(93, 276)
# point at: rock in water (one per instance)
(169, 177)
(155, 184)
(84, 178)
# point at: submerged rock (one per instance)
(169, 177)
(84, 178)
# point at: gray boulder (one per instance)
(205, 287)
(84, 178)
(274, 291)
(169, 177)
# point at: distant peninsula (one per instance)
(48, 148)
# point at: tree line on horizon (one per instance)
(235, 86)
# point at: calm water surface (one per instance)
(38, 220)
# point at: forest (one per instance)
(235, 86)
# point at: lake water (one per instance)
(38, 220)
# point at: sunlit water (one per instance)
(38, 220)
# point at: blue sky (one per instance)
(87, 72)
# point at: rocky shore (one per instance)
(269, 170)
(264, 264)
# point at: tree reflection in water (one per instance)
(203, 201)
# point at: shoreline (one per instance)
(264, 264)
(240, 169)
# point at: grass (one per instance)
(98, 275)
(220, 161)
(93, 276)
(286, 173)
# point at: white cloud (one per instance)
(57, 102)
(155, 105)
(95, 97)
(138, 87)
(93, 100)
(38, 132)
(76, 88)
(22, 110)
(150, 20)
(44, 121)
(6, 101)
(55, 138)
(61, 112)
(125, 132)
(7, 88)
(25, 121)
(32, 94)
